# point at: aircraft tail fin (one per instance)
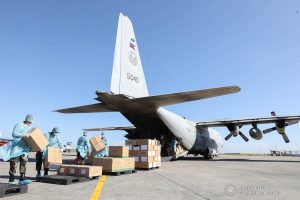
(127, 74)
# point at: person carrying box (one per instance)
(104, 152)
(54, 140)
(19, 150)
(83, 148)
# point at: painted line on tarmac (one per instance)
(203, 197)
(97, 192)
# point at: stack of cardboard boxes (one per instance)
(79, 170)
(117, 161)
(146, 153)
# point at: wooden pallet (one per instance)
(11, 189)
(119, 173)
(64, 180)
(147, 169)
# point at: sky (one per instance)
(56, 54)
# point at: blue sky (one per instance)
(57, 54)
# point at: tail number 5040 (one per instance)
(133, 78)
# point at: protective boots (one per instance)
(46, 170)
(11, 179)
(24, 181)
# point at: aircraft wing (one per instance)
(123, 128)
(98, 107)
(249, 121)
(175, 98)
(234, 125)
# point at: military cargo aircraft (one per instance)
(129, 96)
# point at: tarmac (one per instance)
(226, 177)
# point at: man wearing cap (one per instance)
(54, 140)
(83, 148)
(105, 151)
(19, 150)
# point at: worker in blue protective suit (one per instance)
(104, 152)
(19, 150)
(83, 148)
(54, 140)
(174, 146)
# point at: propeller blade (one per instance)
(244, 136)
(291, 123)
(285, 137)
(269, 130)
(228, 136)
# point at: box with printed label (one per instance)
(89, 171)
(62, 170)
(72, 170)
(147, 159)
(147, 147)
(136, 148)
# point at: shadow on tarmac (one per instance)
(235, 160)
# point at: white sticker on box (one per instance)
(129, 147)
(83, 171)
(62, 170)
(136, 159)
(72, 171)
(136, 148)
(144, 147)
(152, 153)
(144, 159)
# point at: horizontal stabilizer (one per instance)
(124, 128)
(98, 107)
(175, 98)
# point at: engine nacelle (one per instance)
(255, 133)
(235, 131)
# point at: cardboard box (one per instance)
(145, 153)
(145, 142)
(73, 170)
(53, 156)
(118, 151)
(137, 159)
(157, 142)
(147, 159)
(96, 143)
(132, 153)
(136, 148)
(157, 148)
(157, 158)
(143, 165)
(89, 171)
(36, 140)
(147, 147)
(130, 142)
(62, 170)
(157, 153)
(111, 164)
